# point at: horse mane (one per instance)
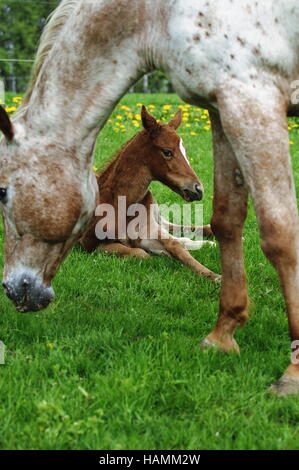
(54, 25)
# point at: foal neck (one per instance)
(128, 174)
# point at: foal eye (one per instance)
(3, 192)
(167, 153)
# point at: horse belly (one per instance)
(214, 42)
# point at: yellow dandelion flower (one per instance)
(51, 345)
(204, 116)
(95, 169)
(192, 133)
(138, 117)
(292, 142)
(207, 128)
(187, 125)
(119, 117)
(139, 104)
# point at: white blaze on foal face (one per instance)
(183, 152)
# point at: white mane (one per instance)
(54, 26)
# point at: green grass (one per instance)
(114, 362)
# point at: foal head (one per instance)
(46, 202)
(167, 157)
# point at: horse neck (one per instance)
(86, 73)
(129, 174)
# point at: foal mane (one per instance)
(54, 25)
(110, 165)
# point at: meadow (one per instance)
(114, 362)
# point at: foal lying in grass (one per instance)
(155, 153)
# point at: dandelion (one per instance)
(192, 133)
(51, 345)
(139, 104)
(95, 169)
(119, 117)
(17, 99)
(138, 117)
(10, 109)
(291, 142)
(167, 107)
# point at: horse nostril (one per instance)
(25, 283)
(4, 285)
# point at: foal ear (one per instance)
(149, 122)
(176, 121)
(5, 124)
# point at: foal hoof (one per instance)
(285, 386)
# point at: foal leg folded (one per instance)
(229, 213)
(122, 251)
(177, 250)
(254, 119)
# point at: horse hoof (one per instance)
(285, 386)
(207, 344)
(232, 346)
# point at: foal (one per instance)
(155, 153)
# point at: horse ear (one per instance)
(5, 124)
(176, 121)
(149, 122)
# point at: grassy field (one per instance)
(114, 362)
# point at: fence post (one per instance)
(2, 91)
(2, 353)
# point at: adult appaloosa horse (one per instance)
(238, 59)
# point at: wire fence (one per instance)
(154, 82)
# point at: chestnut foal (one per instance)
(155, 153)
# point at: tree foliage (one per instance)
(21, 24)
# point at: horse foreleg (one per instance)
(229, 213)
(254, 119)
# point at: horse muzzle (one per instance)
(27, 292)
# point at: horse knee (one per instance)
(224, 228)
(278, 242)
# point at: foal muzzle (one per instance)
(27, 292)
(193, 192)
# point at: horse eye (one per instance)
(3, 192)
(167, 153)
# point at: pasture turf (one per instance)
(114, 362)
